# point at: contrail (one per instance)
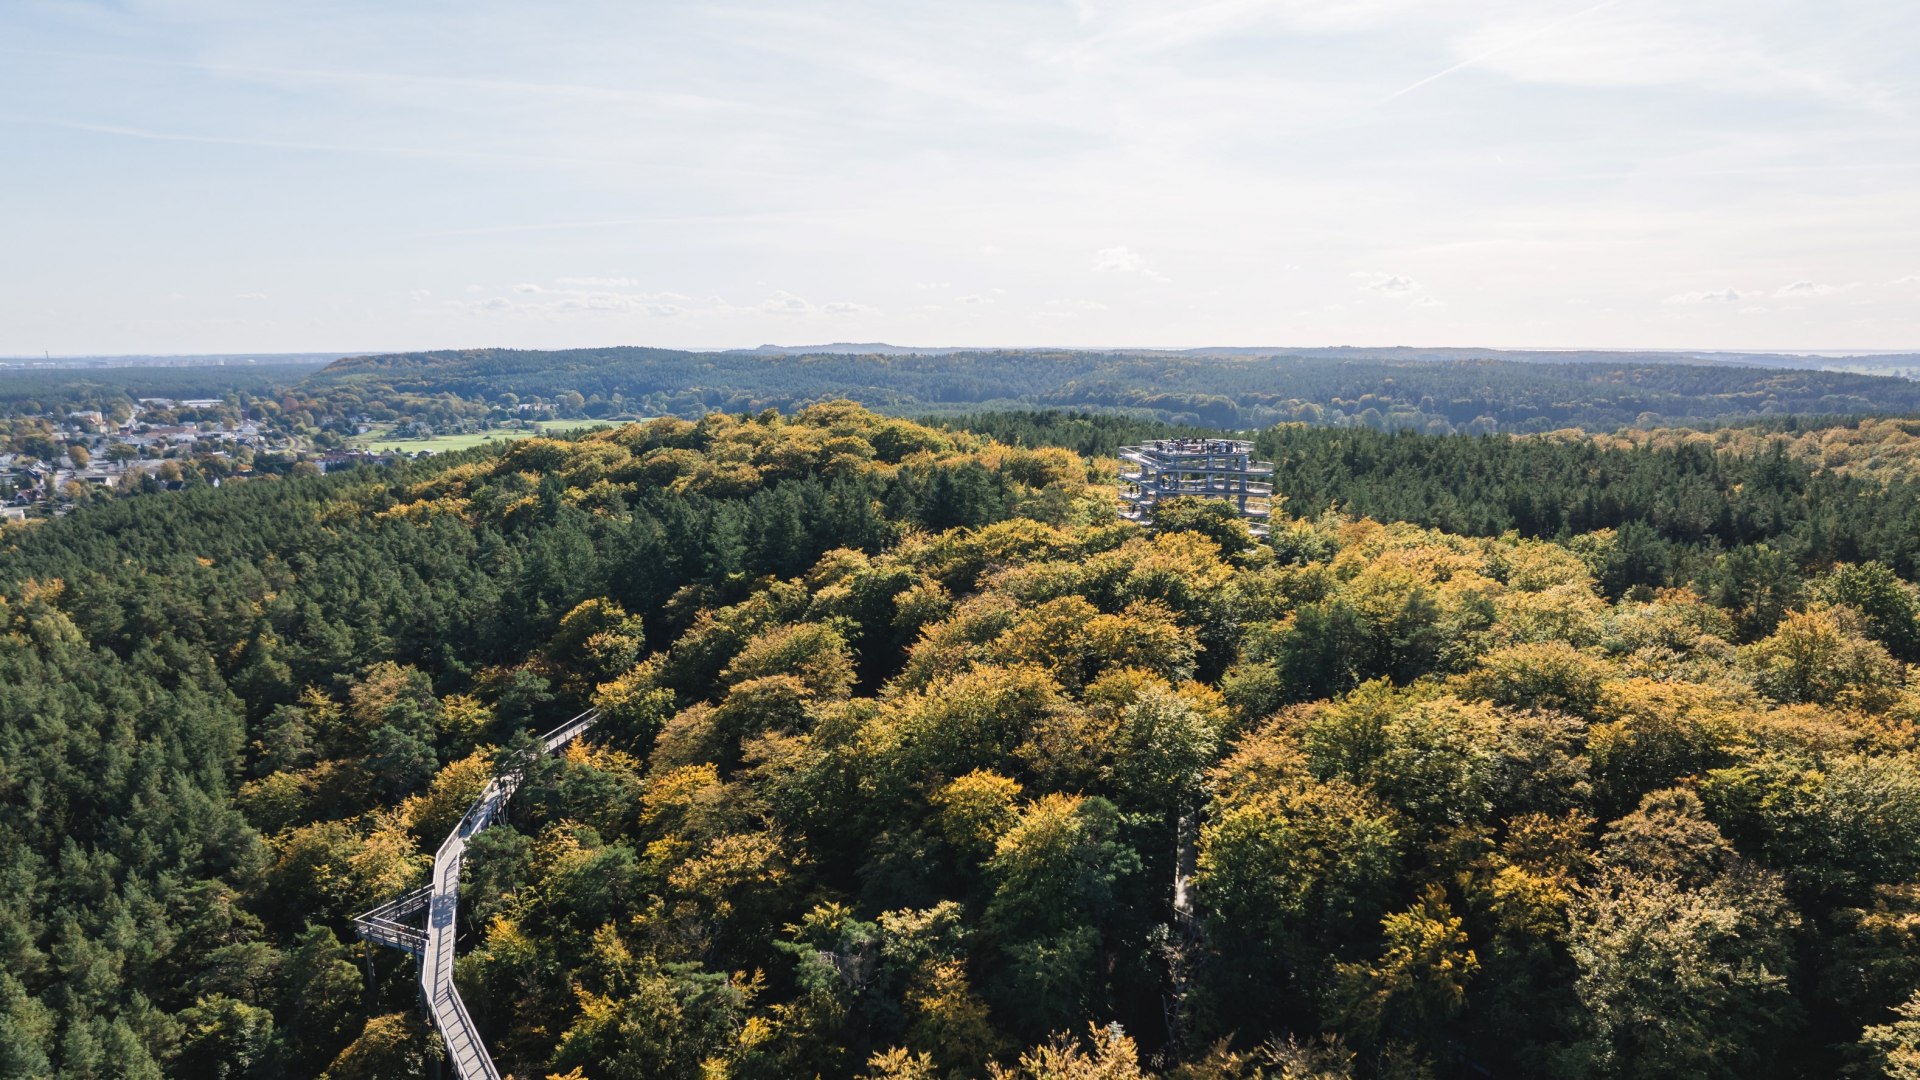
(1491, 53)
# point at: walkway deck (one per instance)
(441, 901)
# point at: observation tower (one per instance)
(1199, 468)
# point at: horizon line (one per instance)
(27, 359)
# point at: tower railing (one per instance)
(1221, 469)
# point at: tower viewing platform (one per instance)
(1198, 468)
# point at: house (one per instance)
(177, 433)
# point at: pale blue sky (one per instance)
(252, 175)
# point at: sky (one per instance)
(239, 176)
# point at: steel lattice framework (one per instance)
(1222, 469)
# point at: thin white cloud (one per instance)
(410, 83)
(1728, 295)
(1123, 260)
(597, 282)
(787, 304)
(1167, 28)
(562, 300)
(419, 151)
(1658, 47)
(1805, 288)
(1395, 286)
(659, 305)
(1506, 44)
(599, 224)
(870, 153)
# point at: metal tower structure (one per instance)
(1200, 468)
(398, 922)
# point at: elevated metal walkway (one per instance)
(391, 924)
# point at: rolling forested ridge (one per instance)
(56, 391)
(1223, 390)
(1541, 756)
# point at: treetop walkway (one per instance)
(392, 924)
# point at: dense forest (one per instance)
(1735, 511)
(1500, 757)
(1235, 391)
(1887, 446)
(54, 392)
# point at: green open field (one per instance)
(378, 441)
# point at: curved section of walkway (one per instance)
(441, 902)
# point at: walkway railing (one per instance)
(435, 943)
(388, 925)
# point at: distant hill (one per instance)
(1902, 364)
(1421, 389)
(1880, 363)
(57, 390)
(848, 348)
(140, 360)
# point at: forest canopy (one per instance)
(55, 392)
(915, 762)
(1474, 395)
